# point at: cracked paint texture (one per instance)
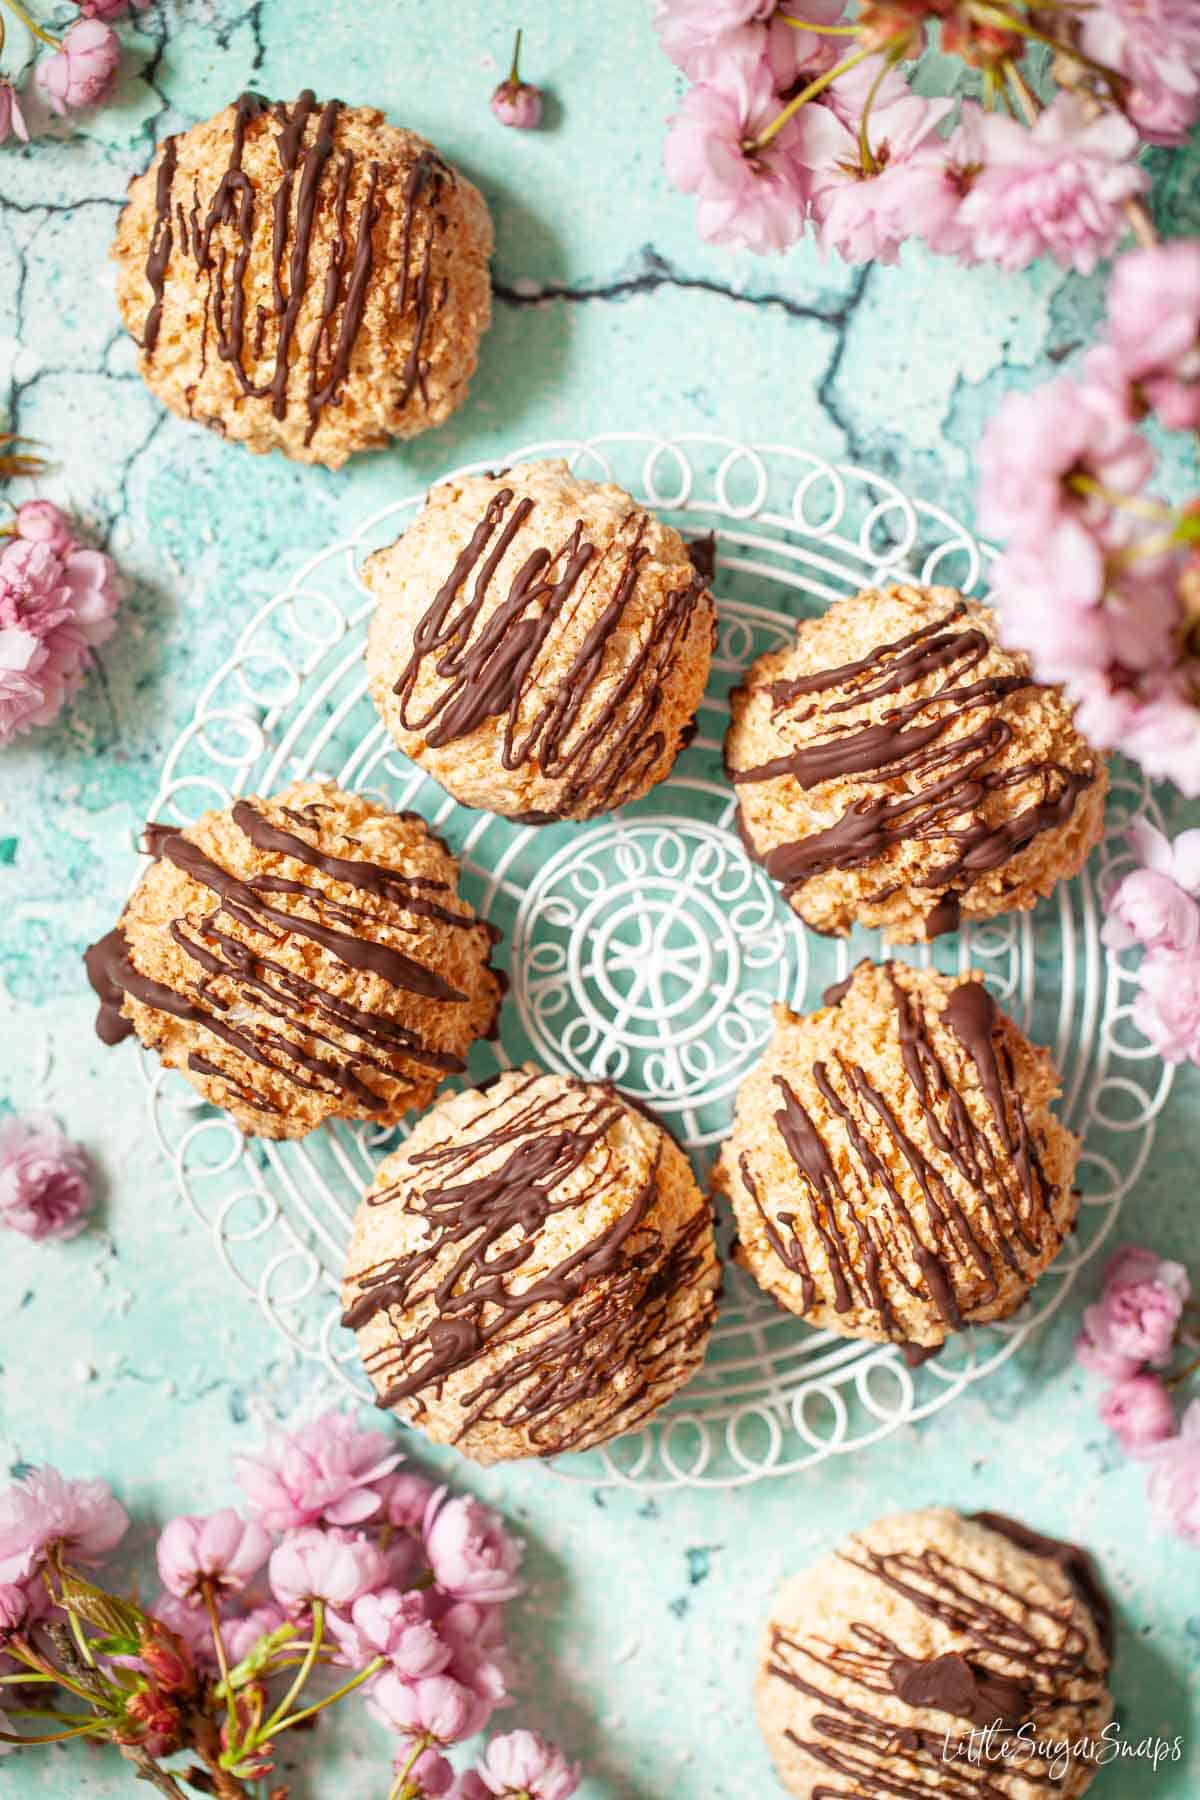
(128, 1353)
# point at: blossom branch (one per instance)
(815, 87)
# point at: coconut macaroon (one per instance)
(896, 767)
(300, 958)
(540, 643)
(533, 1271)
(894, 1165)
(304, 278)
(933, 1653)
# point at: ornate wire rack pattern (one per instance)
(646, 948)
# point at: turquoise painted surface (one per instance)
(128, 1352)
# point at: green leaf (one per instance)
(117, 1618)
(117, 1644)
(253, 1663)
(1187, 529)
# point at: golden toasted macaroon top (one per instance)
(541, 642)
(304, 277)
(534, 1270)
(894, 1165)
(300, 957)
(897, 766)
(886, 1660)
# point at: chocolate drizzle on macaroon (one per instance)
(490, 663)
(1019, 1660)
(874, 1255)
(266, 1012)
(595, 1331)
(945, 776)
(314, 178)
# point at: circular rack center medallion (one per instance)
(647, 949)
(650, 955)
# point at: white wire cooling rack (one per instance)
(646, 948)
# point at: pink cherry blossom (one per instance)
(327, 1470)
(927, 190)
(479, 1653)
(1035, 441)
(42, 649)
(1139, 1413)
(1177, 858)
(1154, 327)
(437, 1705)
(1137, 1315)
(796, 57)
(1155, 44)
(45, 1510)
(221, 1552)
(12, 119)
(406, 1499)
(1055, 189)
(45, 1179)
(469, 1551)
(470, 1787)
(753, 199)
(394, 1625)
(428, 1773)
(333, 1566)
(111, 9)
(83, 71)
(41, 522)
(847, 96)
(1167, 1008)
(1163, 735)
(95, 593)
(241, 1631)
(1048, 600)
(1150, 909)
(522, 1763)
(700, 36)
(859, 211)
(14, 1606)
(1174, 1479)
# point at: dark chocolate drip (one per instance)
(155, 835)
(462, 1293)
(297, 200)
(347, 1038)
(951, 1684)
(1017, 1658)
(946, 777)
(324, 393)
(105, 962)
(203, 1065)
(945, 917)
(1072, 1559)
(161, 243)
(702, 554)
(790, 1250)
(113, 974)
(408, 891)
(241, 901)
(491, 665)
(867, 1252)
(971, 1014)
(836, 992)
(428, 173)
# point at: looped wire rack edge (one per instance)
(646, 948)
